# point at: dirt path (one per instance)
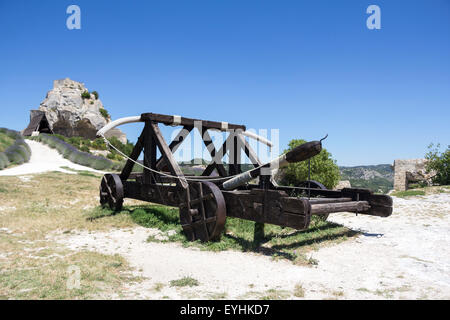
(406, 256)
(43, 158)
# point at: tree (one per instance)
(439, 162)
(323, 168)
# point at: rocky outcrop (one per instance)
(412, 170)
(343, 184)
(71, 114)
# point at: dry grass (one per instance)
(421, 191)
(32, 265)
(34, 211)
(299, 292)
(53, 202)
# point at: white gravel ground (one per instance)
(405, 256)
(43, 158)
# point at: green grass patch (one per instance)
(277, 242)
(184, 282)
(408, 193)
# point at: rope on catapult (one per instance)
(169, 175)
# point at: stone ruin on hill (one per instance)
(66, 111)
(410, 171)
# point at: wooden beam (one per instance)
(167, 155)
(251, 154)
(353, 206)
(149, 154)
(328, 200)
(169, 120)
(134, 155)
(212, 150)
(217, 158)
(175, 144)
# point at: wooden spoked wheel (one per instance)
(111, 192)
(203, 213)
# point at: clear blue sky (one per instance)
(304, 67)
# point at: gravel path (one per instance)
(405, 256)
(43, 158)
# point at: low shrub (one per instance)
(104, 113)
(86, 95)
(4, 161)
(14, 157)
(73, 154)
(17, 153)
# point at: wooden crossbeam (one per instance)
(167, 154)
(175, 144)
(169, 120)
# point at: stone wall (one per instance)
(411, 170)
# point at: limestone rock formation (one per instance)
(343, 184)
(69, 114)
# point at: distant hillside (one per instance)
(378, 178)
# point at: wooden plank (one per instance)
(234, 156)
(251, 154)
(218, 158)
(134, 155)
(168, 120)
(212, 150)
(149, 154)
(249, 206)
(168, 156)
(353, 206)
(329, 200)
(175, 144)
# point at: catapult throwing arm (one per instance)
(118, 122)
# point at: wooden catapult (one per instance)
(205, 200)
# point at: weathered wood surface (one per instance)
(174, 145)
(328, 200)
(134, 155)
(167, 155)
(271, 207)
(168, 120)
(217, 160)
(352, 206)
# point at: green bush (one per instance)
(23, 151)
(69, 148)
(4, 162)
(86, 95)
(81, 159)
(439, 162)
(17, 153)
(104, 113)
(101, 164)
(98, 144)
(95, 93)
(72, 156)
(85, 148)
(323, 168)
(14, 156)
(125, 148)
